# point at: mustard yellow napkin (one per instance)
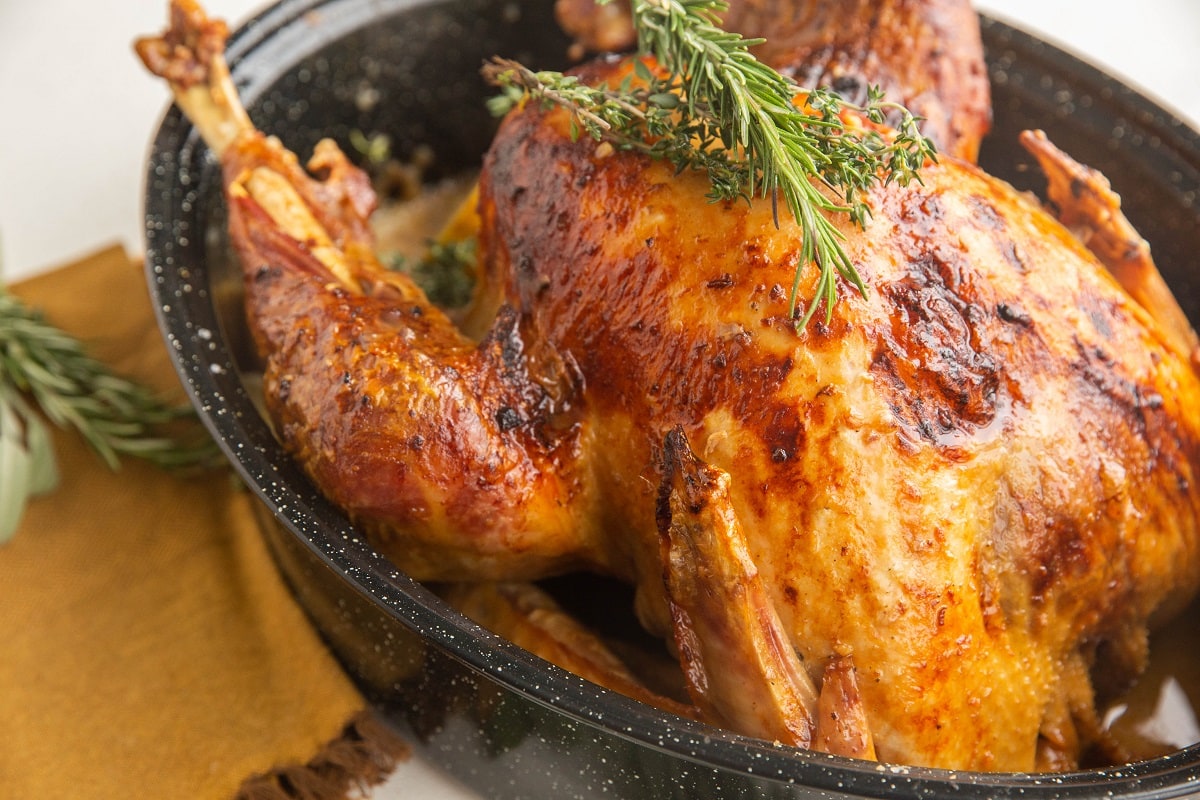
(147, 646)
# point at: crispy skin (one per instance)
(965, 495)
(440, 449)
(970, 480)
(925, 54)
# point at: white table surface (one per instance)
(67, 72)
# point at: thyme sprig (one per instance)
(712, 106)
(446, 274)
(45, 368)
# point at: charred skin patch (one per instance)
(944, 380)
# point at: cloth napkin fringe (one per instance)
(363, 755)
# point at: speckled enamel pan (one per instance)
(491, 714)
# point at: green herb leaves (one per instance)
(446, 274)
(27, 466)
(713, 107)
(117, 417)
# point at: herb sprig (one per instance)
(45, 368)
(446, 274)
(713, 107)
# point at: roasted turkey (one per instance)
(917, 531)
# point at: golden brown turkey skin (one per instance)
(952, 501)
(926, 55)
(440, 449)
(971, 481)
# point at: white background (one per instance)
(77, 112)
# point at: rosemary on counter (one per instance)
(715, 108)
(44, 368)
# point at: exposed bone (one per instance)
(287, 210)
(189, 55)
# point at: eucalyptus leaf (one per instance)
(43, 464)
(15, 469)
(27, 466)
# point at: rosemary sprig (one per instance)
(116, 417)
(715, 108)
